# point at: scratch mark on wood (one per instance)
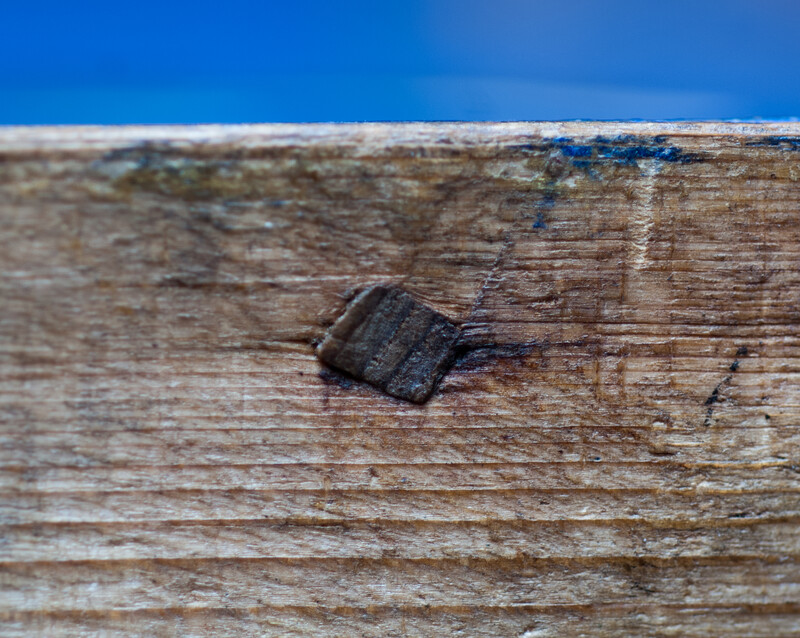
(642, 219)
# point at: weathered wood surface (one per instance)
(616, 451)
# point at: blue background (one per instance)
(236, 61)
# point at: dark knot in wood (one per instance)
(393, 342)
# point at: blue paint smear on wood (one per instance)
(782, 142)
(621, 149)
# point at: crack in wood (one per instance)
(714, 397)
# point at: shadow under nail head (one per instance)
(393, 342)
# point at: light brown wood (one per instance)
(616, 453)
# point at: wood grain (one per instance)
(614, 452)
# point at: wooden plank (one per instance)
(615, 450)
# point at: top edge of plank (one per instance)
(26, 138)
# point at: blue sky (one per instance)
(236, 61)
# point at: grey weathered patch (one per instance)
(393, 342)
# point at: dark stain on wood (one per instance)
(393, 342)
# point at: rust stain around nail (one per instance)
(393, 342)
